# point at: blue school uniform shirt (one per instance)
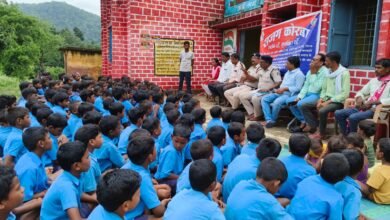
(49, 104)
(99, 213)
(77, 124)
(4, 133)
(108, 155)
(75, 97)
(14, 144)
(22, 102)
(148, 196)
(124, 138)
(62, 195)
(171, 161)
(58, 109)
(70, 129)
(298, 169)
(352, 196)
(41, 91)
(157, 147)
(32, 175)
(127, 104)
(229, 151)
(251, 200)
(197, 134)
(316, 199)
(218, 161)
(163, 121)
(49, 156)
(184, 179)
(214, 122)
(98, 104)
(243, 167)
(33, 121)
(225, 125)
(91, 177)
(249, 149)
(165, 137)
(191, 204)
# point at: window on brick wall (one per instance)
(110, 44)
(353, 31)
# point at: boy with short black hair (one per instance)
(61, 103)
(42, 115)
(87, 95)
(200, 149)
(62, 200)
(108, 154)
(55, 125)
(165, 137)
(91, 117)
(198, 133)
(217, 136)
(215, 113)
(320, 190)
(168, 106)
(254, 134)
(49, 93)
(238, 116)
(118, 110)
(11, 192)
(171, 161)
(5, 130)
(197, 203)
(28, 94)
(19, 119)
(244, 167)
(30, 167)
(349, 188)
(226, 117)
(232, 148)
(153, 126)
(297, 167)
(73, 120)
(378, 185)
(136, 116)
(253, 199)
(118, 192)
(141, 153)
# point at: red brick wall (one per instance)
(175, 19)
(185, 19)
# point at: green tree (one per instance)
(78, 33)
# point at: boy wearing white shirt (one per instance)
(186, 65)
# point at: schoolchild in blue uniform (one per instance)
(74, 119)
(62, 200)
(55, 125)
(30, 168)
(217, 136)
(19, 119)
(49, 93)
(165, 138)
(320, 190)
(90, 135)
(198, 133)
(108, 155)
(33, 106)
(200, 149)
(28, 94)
(38, 86)
(253, 199)
(232, 148)
(153, 126)
(118, 110)
(297, 167)
(61, 103)
(226, 116)
(5, 130)
(141, 153)
(215, 113)
(121, 95)
(158, 100)
(98, 104)
(254, 134)
(349, 188)
(75, 97)
(87, 95)
(244, 166)
(171, 162)
(118, 192)
(136, 116)
(11, 192)
(42, 116)
(163, 120)
(83, 108)
(195, 203)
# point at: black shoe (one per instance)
(270, 124)
(296, 129)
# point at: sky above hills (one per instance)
(92, 6)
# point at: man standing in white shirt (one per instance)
(223, 78)
(186, 66)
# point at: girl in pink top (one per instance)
(214, 75)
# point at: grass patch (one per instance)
(9, 85)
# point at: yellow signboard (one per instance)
(167, 56)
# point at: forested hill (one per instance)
(62, 15)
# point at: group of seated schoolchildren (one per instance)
(118, 149)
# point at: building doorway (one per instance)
(249, 44)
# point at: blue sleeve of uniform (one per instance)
(89, 181)
(123, 141)
(166, 165)
(116, 157)
(148, 194)
(217, 215)
(227, 154)
(336, 210)
(27, 181)
(278, 212)
(13, 147)
(68, 198)
(352, 206)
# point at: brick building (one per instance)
(359, 29)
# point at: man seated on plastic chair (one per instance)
(291, 85)
(376, 92)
